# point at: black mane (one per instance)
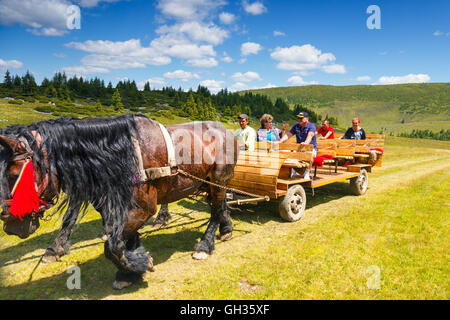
(93, 160)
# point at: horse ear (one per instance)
(14, 146)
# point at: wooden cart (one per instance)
(268, 171)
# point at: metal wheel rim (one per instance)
(362, 182)
(296, 203)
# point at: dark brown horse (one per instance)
(94, 161)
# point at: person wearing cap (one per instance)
(355, 132)
(325, 131)
(246, 135)
(305, 133)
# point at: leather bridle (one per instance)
(42, 186)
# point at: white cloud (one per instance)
(363, 78)
(410, 78)
(305, 58)
(437, 33)
(249, 48)
(203, 62)
(243, 60)
(10, 64)
(334, 68)
(119, 54)
(193, 10)
(196, 32)
(226, 58)
(93, 3)
(278, 33)
(246, 77)
(45, 17)
(227, 18)
(42, 17)
(181, 75)
(238, 86)
(255, 8)
(83, 70)
(213, 85)
(154, 83)
(267, 86)
(298, 81)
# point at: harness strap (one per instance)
(169, 144)
(159, 172)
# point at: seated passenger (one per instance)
(305, 133)
(325, 131)
(355, 132)
(246, 135)
(268, 132)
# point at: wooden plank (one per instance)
(375, 144)
(273, 164)
(358, 167)
(262, 154)
(362, 149)
(255, 177)
(326, 152)
(325, 179)
(266, 145)
(257, 171)
(251, 186)
(301, 156)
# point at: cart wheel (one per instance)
(293, 204)
(358, 185)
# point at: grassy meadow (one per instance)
(397, 235)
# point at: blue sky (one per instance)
(228, 44)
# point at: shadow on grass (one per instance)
(81, 232)
(97, 275)
(264, 212)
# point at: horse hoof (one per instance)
(119, 285)
(225, 236)
(150, 268)
(105, 237)
(49, 258)
(199, 255)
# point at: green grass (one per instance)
(400, 226)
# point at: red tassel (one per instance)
(377, 149)
(25, 199)
(318, 161)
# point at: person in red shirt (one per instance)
(326, 131)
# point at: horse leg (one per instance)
(219, 217)
(163, 216)
(61, 245)
(125, 250)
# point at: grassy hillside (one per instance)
(387, 108)
(400, 227)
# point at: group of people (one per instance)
(304, 130)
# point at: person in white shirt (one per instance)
(246, 135)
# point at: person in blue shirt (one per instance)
(305, 133)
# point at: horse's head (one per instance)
(13, 154)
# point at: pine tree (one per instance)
(147, 86)
(117, 100)
(98, 106)
(8, 80)
(189, 108)
(200, 110)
